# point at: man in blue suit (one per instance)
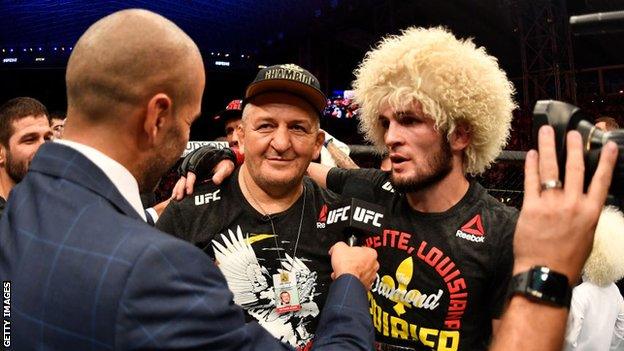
(81, 269)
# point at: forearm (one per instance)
(528, 325)
(342, 160)
(318, 173)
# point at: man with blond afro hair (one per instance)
(441, 107)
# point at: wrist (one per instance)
(542, 284)
(523, 265)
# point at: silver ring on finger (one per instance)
(551, 184)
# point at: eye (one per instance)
(408, 120)
(263, 127)
(385, 123)
(299, 128)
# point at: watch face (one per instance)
(549, 284)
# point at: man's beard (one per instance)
(15, 169)
(163, 159)
(439, 165)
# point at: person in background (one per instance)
(23, 129)
(596, 320)
(230, 117)
(57, 123)
(606, 123)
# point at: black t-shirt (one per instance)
(2, 204)
(443, 276)
(221, 222)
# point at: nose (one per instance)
(281, 139)
(393, 136)
(234, 139)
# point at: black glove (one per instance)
(203, 160)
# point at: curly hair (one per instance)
(454, 81)
(605, 263)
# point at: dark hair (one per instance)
(610, 122)
(16, 109)
(56, 115)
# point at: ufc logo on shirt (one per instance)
(207, 198)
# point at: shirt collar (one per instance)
(123, 180)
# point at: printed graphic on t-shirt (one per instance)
(251, 283)
(394, 295)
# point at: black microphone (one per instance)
(356, 218)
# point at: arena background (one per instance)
(532, 40)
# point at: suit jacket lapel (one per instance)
(61, 161)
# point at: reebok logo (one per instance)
(472, 230)
(322, 217)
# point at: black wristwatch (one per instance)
(542, 284)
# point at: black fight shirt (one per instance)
(220, 221)
(2, 204)
(443, 276)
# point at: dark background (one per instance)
(328, 37)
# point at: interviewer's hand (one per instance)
(184, 185)
(359, 261)
(556, 226)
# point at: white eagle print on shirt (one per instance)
(250, 282)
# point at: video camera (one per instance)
(564, 117)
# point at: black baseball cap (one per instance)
(233, 110)
(291, 79)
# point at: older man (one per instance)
(442, 109)
(23, 128)
(260, 226)
(82, 268)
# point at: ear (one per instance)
(318, 144)
(159, 112)
(460, 138)
(240, 132)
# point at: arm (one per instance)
(318, 173)
(574, 325)
(617, 343)
(342, 160)
(555, 229)
(175, 298)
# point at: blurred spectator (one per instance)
(596, 320)
(57, 123)
(606, 123)
(231, 118)
(23, 128)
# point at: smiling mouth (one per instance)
(278, 159)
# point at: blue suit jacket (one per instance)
(88, 274)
